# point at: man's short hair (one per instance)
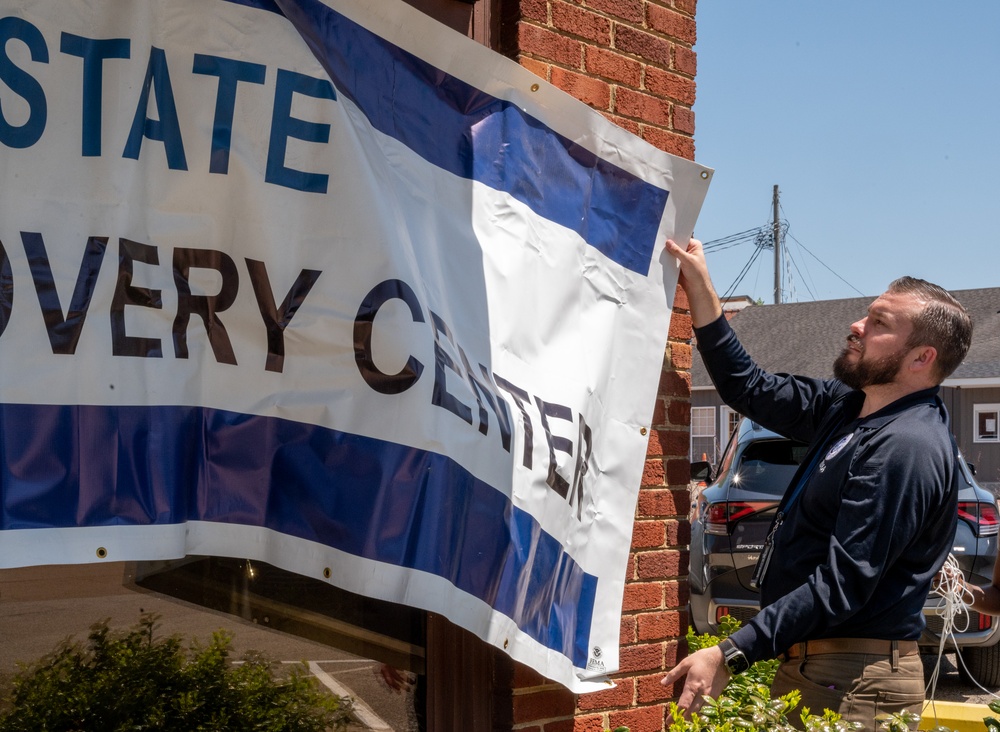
(943, 323)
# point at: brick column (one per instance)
(632, 60)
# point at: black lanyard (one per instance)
(765, 556)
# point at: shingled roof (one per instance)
(805, 338)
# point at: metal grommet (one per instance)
(327, 573)
(535, 87)
(642, 430)
(505, 642)
(101, 552)
(704, 175)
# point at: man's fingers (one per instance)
(690, 702)
(677, 250)
(689, 256)
(706, 676)
(686, 701)
(696, 704)
(690, 697)
(675, 673)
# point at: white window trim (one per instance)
(978, 409)
(724, 432)
(711, 422)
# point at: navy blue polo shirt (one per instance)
(862, 542)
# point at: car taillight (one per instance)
(981, 516)
(721, 517)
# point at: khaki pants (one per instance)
(860, 687)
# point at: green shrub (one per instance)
(746, 703)
(133, 681)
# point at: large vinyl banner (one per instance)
(327, 285)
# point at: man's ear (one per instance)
(923, 359)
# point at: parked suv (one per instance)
(732, 511)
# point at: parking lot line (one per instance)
(364, 713)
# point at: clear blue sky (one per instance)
(879, 121)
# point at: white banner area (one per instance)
(327, 285)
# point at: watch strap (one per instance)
(734, 659)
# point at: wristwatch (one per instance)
(735, 661)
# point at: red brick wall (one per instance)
(633, 61)
(630, 59)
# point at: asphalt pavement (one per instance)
(952, 685)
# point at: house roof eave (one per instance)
(989, 382)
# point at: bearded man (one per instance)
(870, 515)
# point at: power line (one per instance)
(762, 237)
(743, 273)
(804, 247)
(728, 242)
(825, 265)
(795, 264)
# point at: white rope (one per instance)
(953, 609)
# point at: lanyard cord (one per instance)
(821, 447)
(803, 479)
(765, 556)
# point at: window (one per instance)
(985, 426)
(767, 466)
(730, 419)
(703, 421)
(703, 433)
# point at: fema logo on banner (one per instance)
(595, 663)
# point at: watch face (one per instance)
(736, 662)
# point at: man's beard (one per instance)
(864, 373)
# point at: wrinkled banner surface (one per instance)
(327, 285)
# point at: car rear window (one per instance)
(767, 466)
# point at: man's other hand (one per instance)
(706, 673)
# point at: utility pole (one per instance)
(777, 250)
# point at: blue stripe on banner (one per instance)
(104, 466)
(471, 134)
